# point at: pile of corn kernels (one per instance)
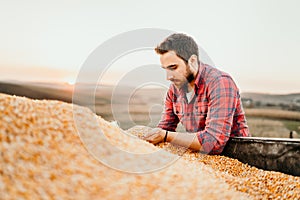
(55, 150)
(260, 184)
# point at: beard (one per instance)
(189, 76)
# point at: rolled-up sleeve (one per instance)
(169, 119)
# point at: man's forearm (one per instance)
(188, 140)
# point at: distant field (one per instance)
(262, 127)
(144, 107)
(272, 122)
(273, 114)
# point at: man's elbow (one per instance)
(212, 145)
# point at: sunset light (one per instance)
(260, 51)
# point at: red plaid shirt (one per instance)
(215, 111)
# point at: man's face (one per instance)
(178, 72)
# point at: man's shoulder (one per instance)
(213, 73)
(215, 78)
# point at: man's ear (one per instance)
(193, 62)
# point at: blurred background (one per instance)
(45, 43)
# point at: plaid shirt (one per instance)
(215, 111)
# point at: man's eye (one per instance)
(173, 67)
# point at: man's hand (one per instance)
(155, 135)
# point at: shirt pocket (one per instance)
(178, 110)
(200, 113)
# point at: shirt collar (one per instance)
(199, 77)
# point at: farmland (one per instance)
(273, 122)
(267, 116)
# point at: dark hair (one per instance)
(184, 46)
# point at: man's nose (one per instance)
(170, 75)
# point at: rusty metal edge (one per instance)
(275, 154)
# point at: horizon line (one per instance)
(13, 81)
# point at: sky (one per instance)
(256, 41)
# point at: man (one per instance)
(204, 99)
